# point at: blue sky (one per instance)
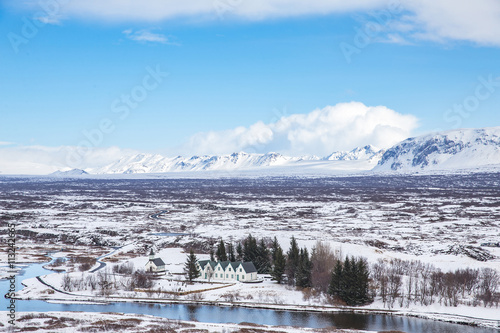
(236, 69)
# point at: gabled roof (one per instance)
(203, 263)
(158, 262)
(249, 267)
(224, 264)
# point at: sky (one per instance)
(113, 77)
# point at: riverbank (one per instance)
(455, 318)
(130, 323)
(267, 295)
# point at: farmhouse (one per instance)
(227, 271)
(155, 265)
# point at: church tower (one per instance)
(151, 255)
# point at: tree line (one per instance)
(297, 267)
(352, 281)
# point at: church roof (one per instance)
(158, 262)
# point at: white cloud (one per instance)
(49, 19)
(321, 132)
(475, 21)
(439, 20)
(44, 160)
(145, 36)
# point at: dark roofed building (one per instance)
(227, 270)
(155, 265)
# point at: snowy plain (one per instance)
(425, 218)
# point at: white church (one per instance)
(155, 265)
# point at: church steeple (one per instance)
(151, 254)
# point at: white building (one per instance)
(227, 271)
(155, 265)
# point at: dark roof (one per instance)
(203, 263)
(249, 267)
(158, 262)
(224, 264)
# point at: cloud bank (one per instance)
(438, 20)
(41, 160)
(321, 132)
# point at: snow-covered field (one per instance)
(433, 219)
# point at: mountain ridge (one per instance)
(155, 163)
(461, 149)
(448, 150)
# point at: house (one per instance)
(155, 265)
(206, 268)
(227, 271)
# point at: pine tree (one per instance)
(274, 248)
(350, 281)
(336, 279)
(239, 252)
(361, 284)
(262, 261)
(293, 257)
(190, 268)
(230, 250)
(304, 268)
(250, 249)
(221, 251)
(347, 282)
(279, 264)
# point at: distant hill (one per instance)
(450, 150)
(70, 173)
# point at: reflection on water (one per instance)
(214, 314)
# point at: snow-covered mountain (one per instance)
(450, 150)
(147, 163)
(69, 173)
(153, 163)
(360, 153)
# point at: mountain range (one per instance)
(154, 163)
(450, 150)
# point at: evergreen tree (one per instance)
(304, 268)
(274, 248)
(350, 281)
(239, 252)
(212, 255)
(190, 268)
(279, 264)
(347, 282)
(336, 279)
(221, 251)
(293, 258)
(230, 251)
(263, 263)
(361, 273)
(250, 249)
